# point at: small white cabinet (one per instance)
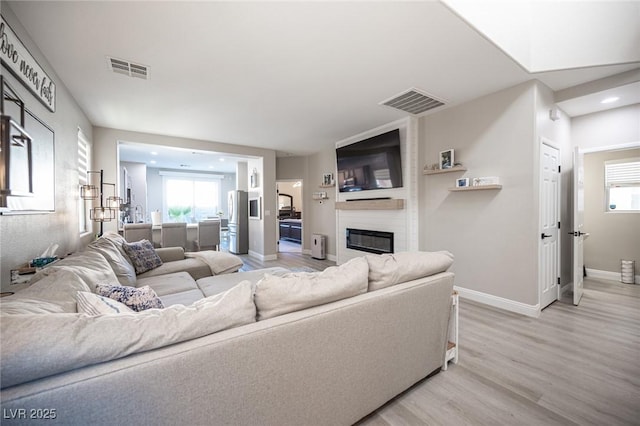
(452, 343)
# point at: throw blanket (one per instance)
(219, 262)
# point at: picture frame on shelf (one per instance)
(327, 179)
(446, 159)
(462, 182)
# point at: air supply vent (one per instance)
(122, 66)
(413, 101)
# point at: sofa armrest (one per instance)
(170, 254)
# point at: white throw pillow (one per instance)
(121, 265)
(94, 304)
(277, 295)
(386, 270)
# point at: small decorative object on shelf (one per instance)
(327, 180)
(487, 180)
(322, 195)
(446, 159)
(462, 182)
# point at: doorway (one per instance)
(290, 221)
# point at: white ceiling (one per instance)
(294, 77)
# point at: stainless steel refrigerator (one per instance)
(238, 222)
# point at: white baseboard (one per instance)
(608, 275)
(566, 289)
(263, 257)
(499, 302)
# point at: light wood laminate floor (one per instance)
(572, 366)
(287, 260)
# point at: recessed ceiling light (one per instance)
(221, 159)
(154, 153)
(610, 100)
(211, 167)
(152, 161)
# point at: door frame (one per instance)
(553, 145)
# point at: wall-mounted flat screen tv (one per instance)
(373, 163)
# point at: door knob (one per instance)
(543, 236)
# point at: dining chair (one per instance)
(208, 235)
(133, 232)
(174, 234)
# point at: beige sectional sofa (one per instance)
(268, 347)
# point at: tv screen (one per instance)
(373, 163)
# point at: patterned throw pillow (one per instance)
(137, 299)
(94, 304)
(142, 255)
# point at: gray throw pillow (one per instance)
(142, 255)
(138, 299)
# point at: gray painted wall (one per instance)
(493, 234)
(607, 128)
(23, 237)
(612, 235)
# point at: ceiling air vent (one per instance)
(121, 66)
(413, 101)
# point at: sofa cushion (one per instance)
(389, 269)
(220, 283)
(36, 346)
(15, 306)
(138, 299)
(57, 288)
(175, 282)
(183, 298)
(196, 268)
(169, 254)
(219, 262)
(120, 263)
(279, 294)
(173, 289)
(142, 255)
(94, 304)
(89, 266)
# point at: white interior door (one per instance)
(549, 225)
(578, 225)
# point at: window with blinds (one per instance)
(622, 185)
(84, 163)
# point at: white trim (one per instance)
(607, 275)
(190, 175)
(263, 257)
(499, 302)
(621, 146)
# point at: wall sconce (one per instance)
(105, 212)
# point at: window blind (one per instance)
(622, 173)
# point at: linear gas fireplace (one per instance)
(370, 241)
